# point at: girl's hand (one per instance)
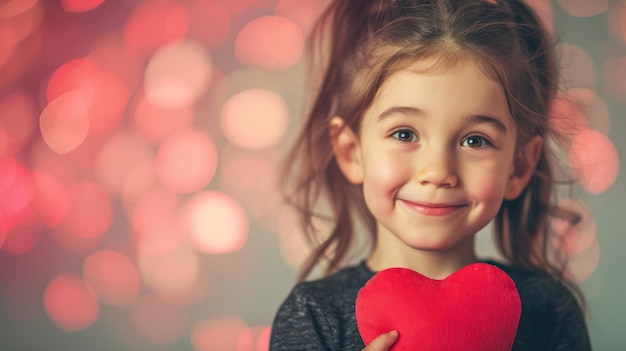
(383, 342)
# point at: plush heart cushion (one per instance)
(475, 309)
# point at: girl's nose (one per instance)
(437, 169)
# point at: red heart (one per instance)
(476, 308)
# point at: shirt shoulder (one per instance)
(552, 318)
(319, 314)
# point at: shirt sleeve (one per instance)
(570, 329)
(301, 323)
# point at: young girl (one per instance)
(430, 122)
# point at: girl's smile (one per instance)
(433, 209)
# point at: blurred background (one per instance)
(139, 143)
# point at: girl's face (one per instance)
(435, 156)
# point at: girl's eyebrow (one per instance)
(493, 121)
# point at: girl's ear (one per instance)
(524, 167)
(347, 150)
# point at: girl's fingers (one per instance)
(383, 342)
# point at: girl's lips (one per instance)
(433, 209)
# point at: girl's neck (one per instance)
(433, 264)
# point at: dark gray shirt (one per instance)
(319, 315)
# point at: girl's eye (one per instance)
(405, 135)
(475, 141)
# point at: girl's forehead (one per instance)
(455, 90)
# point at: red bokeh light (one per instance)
(186, 161)
(52, 198)
(210, 21)
(178, 74)
(155, 23)
(80, 5)
(156, 122)
(254, 119)
(107, 101)
(64, 123)
(69, 304)
(254, 339)
(91, 211)
(258, 191)
(595, 108)
(21, 240)
(216, 222)
(69, 76)
(110, 55)
(171, 273)
(18, 22)
(155, 218)
(16, 192)
(302, 12)
(18, 122)
(594, 160)
(217, 334)
(113, 277)
(118, 157)
(567, 117)
(271, 42)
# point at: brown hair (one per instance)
(365, 41)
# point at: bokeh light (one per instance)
(113, 277)
(18, 122)
(117, 157)
(16, 191)
(583, 8)
(210, 21)
(302, 12)
(217, 334)
(52, 198)
(574, 238)
(110, 55)
(257, 191)
(216, 222)
(594, 161)
(582, 266)
(69, 303)
(69, 77)
(14, 8)
(186, 161)
(157, 122)
(80, 5)
(271, 42)
(577, 67)
(64, 123)
(595, 108)
(91, 211)
(21, 240)
(154, 216)
(157, 321)
(254, 339)
(153, 24)
(173, 272)
(177, 74)
(254, 119)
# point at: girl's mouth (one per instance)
(433, 209)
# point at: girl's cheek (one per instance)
(387, 173)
